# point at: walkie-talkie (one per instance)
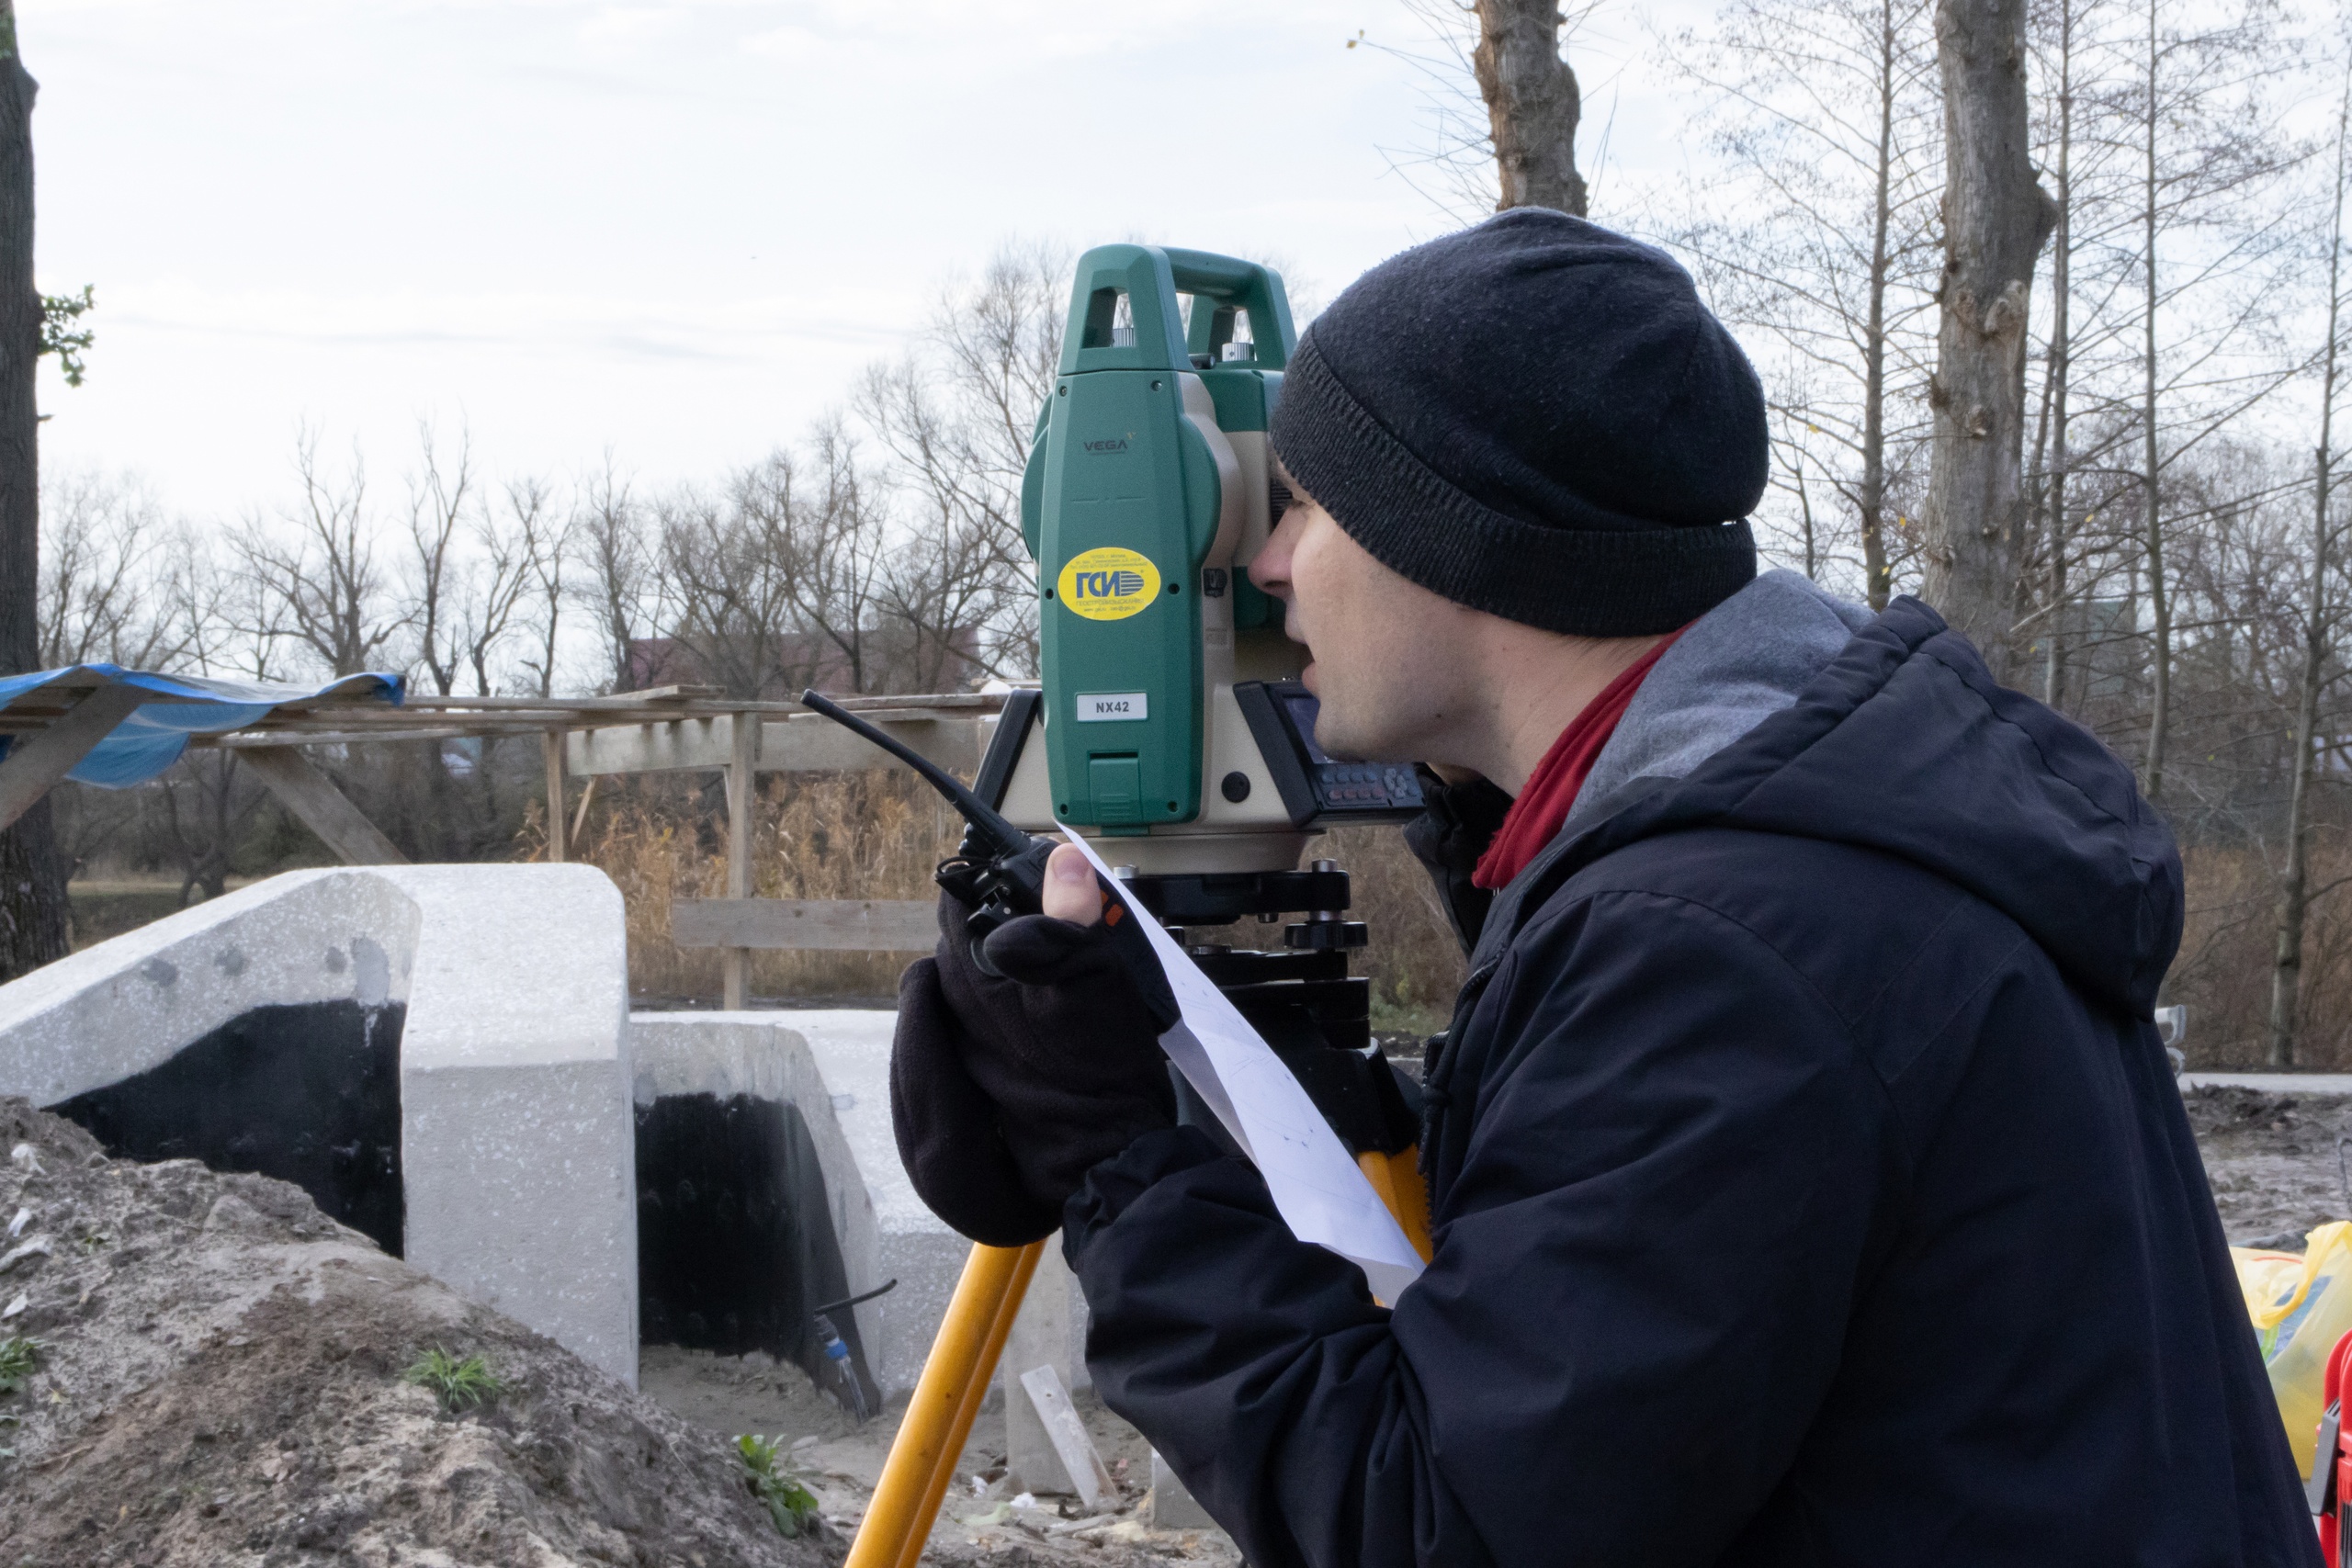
(998, 870)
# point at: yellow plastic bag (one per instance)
(2301, 1307)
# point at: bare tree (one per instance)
(726, 562)
(955, 418)
(439, 502)
(1996, 217)
(621, 569)
(830, 534)
(1820, 230)
(2319, 630)
(108, 577)
(554, 542)
(2089, 204)
(318, 569)
(1532, 104)
(1500, 107)
(474, 563)
(2207, 151)
(209, 804)
(33, 923)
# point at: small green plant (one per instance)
(790, 1505)
(18, 1356)
(459, 1384)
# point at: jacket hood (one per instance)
(1902, 742)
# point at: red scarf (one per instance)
(1535, 817)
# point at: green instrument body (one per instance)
(1131, 507)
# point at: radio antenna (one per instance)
(985, 818)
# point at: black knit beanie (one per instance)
(1536, 418)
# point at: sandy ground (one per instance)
(983, 1519)
(218, 1384)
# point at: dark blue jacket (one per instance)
(1810, 1187)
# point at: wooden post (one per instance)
(37, 760)
(558, 830)
(324, 808)
(743, 760)
(587, 798)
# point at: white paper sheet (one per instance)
(1320, 1191)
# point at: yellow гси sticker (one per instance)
(1108, 584)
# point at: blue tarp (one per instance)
(154, 735)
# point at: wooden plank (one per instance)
(650, 748)
(312, 796)
(743, 783)
(552, 755)
(824, 925)
(37, 760)
(279, 739)
(801, 743)
(580, 821)
(812, 743)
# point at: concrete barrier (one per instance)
(493, 997)
(705, 1067)
(442, 1055)
(834, 1066)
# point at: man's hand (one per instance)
(1005, 1092)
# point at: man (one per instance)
(1809, 1183)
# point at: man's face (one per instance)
(1380, 644)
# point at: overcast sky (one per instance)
(677, 229)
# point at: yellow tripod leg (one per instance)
(947, 1397)
(963, 1359)
(1397, 1179)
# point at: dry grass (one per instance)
(861, 835)
(878, 835)
(1414, 962)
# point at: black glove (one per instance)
(1457, 823)
(1005, 1092)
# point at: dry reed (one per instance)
(878, 835)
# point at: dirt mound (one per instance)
(220, 1381)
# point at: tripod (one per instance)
(1316, 1018)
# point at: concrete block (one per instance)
(762, 1055)
(515, 1137)
(850, 1048)
(517, 1146)
(1050, 1331)
(1173, 1507)
(131, 1003)
(1066, 1430)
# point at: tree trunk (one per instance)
(1996, 218)
(1877, 578)
(1532, 104)
(33, 929)
(2287, 971)
(2061, 371)
(2159, 600)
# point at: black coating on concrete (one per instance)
(307, 1092)
(735, 1244)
